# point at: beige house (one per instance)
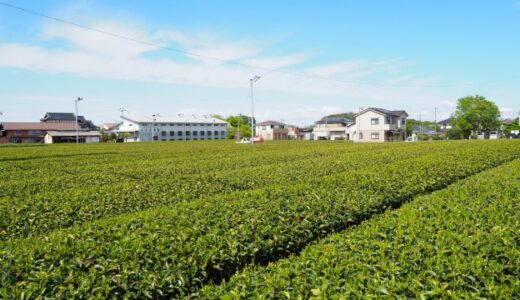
(331, 128)
(272, 130)
(378, 125)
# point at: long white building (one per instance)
(180, 128)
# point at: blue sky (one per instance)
(412, 55)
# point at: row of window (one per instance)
(183, 124)
(375, 121)
(188, 139)
(373, 135)
(193, 133)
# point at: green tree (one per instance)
(476, 113)
(514, 125)
(238, 124)
(348, 115)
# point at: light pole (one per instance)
(252, 81)
(77, 126)
(326, 128)
(436, 121)
(238, 126)
(153, 125)
(359, 123)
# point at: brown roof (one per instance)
(38, 126)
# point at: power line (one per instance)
(189, 53)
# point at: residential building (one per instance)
(54, 137)
(60, 117)
(445, 125)
(331, 128)
(272, 130)
(30, 132)
(294, 132)
(307, 134)
(138, 128)
(378, 125)
(62, 127)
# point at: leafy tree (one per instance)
(236, 121)
(410, 123)
(475, 113)
(514, 125)
(348, 115)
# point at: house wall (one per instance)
(181, 131)
(369, 130)
(22, 136)
(330, 131)
(270, 134)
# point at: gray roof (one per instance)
(267, 123)
(180, 118)
(334, 120)
(58, 116)
(395, 113)
(447, 121)
(73, 133)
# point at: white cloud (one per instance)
(505, 110)
(94, 55)
(277, 62)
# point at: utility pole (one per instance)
(359, 123)
(238, 126)
(435, 121)
(252, 81)
(420, 124)
(326, 127)
(77, 125)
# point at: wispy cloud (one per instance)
(94, 55)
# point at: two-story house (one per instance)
(331, 128)
(378, 125)
(272, 130)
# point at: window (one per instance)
(163, 133)
(187, 133)
(35, 132)
(194, 133)
(374, 136)
(223, 133)
(130, 124)
(209, 133)
(374, 121)
(403, 121)
(179, 133)
(361, 135)
(172, 133)
(201, 133)
(215, 132)
(264, 128)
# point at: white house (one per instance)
(52, 137)
(378, 125)
(272, 130)
(179, 128)
(331, 128)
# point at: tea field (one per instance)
(277, 220)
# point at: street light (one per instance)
(184, 128)
(252, 81)
(153, 125)
(77, 126)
